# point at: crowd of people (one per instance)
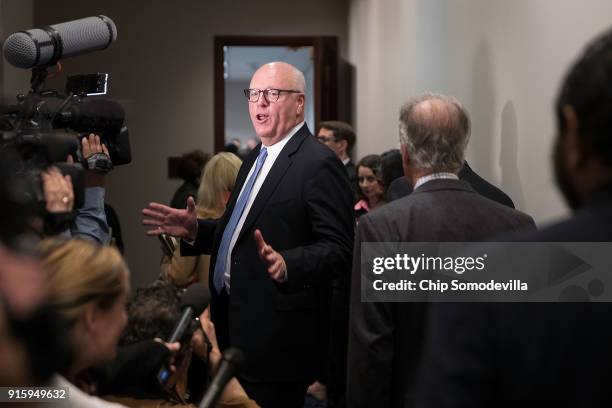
(276, 236)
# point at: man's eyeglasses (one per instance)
(271, 95)
(326, 139)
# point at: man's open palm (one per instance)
(167, 220)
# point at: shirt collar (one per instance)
(278, 146)
(346, 161)
(434, 176)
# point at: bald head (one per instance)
(293, 77)
(273, 119)
(434, 131)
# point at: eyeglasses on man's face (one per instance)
(326, 139)
(271, 95)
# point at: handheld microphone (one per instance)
(231, 362)
(193, 302)
(45, 46)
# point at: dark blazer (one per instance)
(304, 211)
(385, 339)
(400, 187)
(351, 170)
(526, 354)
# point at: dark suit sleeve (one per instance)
(203, 244)
(371, 337)
(328, 200)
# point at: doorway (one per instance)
(237, 58)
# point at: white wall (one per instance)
(504, 59)
(161, 70)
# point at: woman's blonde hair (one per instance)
(80, 272)
(218, 176)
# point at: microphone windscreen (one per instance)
(27, 49)
(86, 34)
(197, 297)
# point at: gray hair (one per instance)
(434, 129)
(300, 81)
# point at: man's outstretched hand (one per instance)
(277, 269)
(167, 220)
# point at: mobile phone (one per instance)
(168, 246)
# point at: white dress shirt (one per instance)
(273, 152)
(434, 176)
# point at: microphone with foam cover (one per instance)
(193, 302)
(47, 45)
(231, 363)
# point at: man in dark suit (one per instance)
(401, 187)
(340, 137)
(510, 355)
(287, 228)
(385, 339)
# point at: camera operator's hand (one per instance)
(91, 146)
(58, 191)
(172, 221)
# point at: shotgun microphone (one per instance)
(47, 45)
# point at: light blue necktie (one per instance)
(223, 253)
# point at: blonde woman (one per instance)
(89, 286)
(217, 182)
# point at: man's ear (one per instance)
(406, 161)
(405, 155)
(300, 108)
(343, 144)
(576, 149)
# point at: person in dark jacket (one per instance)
(552, 354)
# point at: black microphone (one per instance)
(47, 45)
(231, 362)
(193, 302)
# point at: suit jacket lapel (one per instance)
(276, 174)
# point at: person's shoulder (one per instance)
(315, 155)
(391, 211)
(483, 187)
(517, 217)
(398, 188)
(582, 226)
(312, 146)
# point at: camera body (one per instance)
(44, 127)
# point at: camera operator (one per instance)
(89, 221)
